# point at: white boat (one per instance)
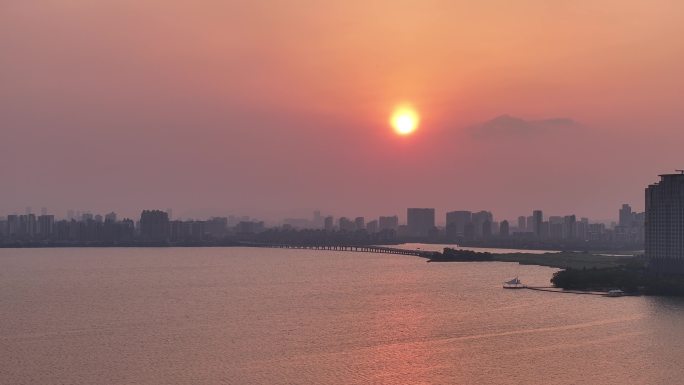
(513, 284)
(615, 293)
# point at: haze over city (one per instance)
(341, 192)
(266, 109)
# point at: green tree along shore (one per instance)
(584, 271)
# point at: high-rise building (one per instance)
(317, 219)
(486, 229)
(346, 225)
(569, 227)
(13, 225)
(111, 217)
(456, 222)
(154, 226)
(372, 226)
(503, 229)
(46, 225)
(522, 223)
(583, 229)
(555, 230)
(31, 225)
(478, 219)
(360, 223)
(328, 223)
(216, 227)
(664, 237)
(420, 221)
(626, 216)
(537, 220)
(389, 223)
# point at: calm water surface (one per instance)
(271, 316)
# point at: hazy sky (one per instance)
(282, 106)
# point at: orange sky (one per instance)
(263, 105)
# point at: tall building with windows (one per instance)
(328, 223)
(522, 223)
(389, 223)
(345, 224)
(420, 221)
(360, 223)
(504, 229)
(537, 222)
(626, 215)
(664, 243)
(154, 226)
(569, 227)
(456, 222)
(479, 219)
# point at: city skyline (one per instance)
(440, 214)
(460, 226)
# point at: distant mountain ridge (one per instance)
(511, 126)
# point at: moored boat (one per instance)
(514, 283)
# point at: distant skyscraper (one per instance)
(569, 227)
(154, 225)
(46, 225)
(530, 224)
(31, 225)
(360, 223)
(664, 241)
(328, 223)
(389, 223)
(486, 229)
(626, 216)
(317, 219)
(456, 222)
(420, 221)
(372, 226)
(555, 230)
(537, 220)
(478, 219)
(522, 223)
(346, 225)
(555, 220)
(111, 217)
(503, 229)
(13, 225)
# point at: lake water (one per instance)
(273, 316)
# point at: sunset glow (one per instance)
(404, 120)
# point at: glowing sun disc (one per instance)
(404, 120)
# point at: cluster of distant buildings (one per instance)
(659, 230)
(476, 227)
(461, 226)
(87, 228)
(467, 226)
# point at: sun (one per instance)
(404, 120)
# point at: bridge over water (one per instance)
(352, 248)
